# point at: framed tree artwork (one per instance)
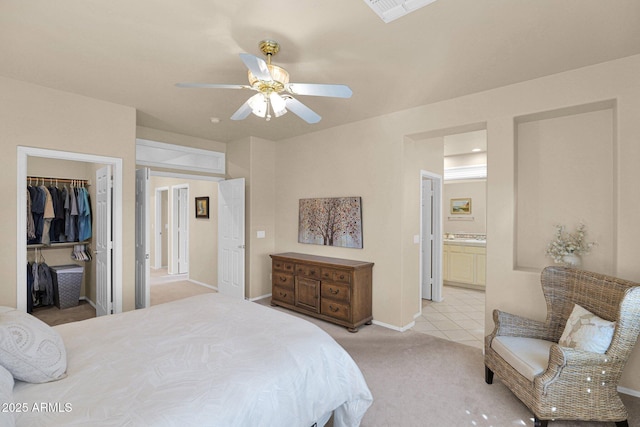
(335, 221)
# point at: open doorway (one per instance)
(183, 246)
(463, 239)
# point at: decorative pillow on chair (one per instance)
(30, 349)
(586, 331)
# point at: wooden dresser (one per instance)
(333, 289)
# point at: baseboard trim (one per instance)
(195, 282)
(91, 303)
(259, 298)
(395, 328)
(630, 392)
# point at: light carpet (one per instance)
(420, 380)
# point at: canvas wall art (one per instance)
(335, 221)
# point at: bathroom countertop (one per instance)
(466, 242)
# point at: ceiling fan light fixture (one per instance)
(258, 104)
(279, 79)
(278, 104)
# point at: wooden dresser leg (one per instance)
(352, 330)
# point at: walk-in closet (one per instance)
(61, 282)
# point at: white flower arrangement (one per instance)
(568, 243)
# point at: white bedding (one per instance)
(208, 360)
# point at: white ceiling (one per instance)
(133, 52)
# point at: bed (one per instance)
(207, 360)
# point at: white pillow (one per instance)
(586, 331)
(7, 417)
(30, 349)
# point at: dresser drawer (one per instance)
(336, 291)
(283, 280)
(282, 294)
(336, 275)
(308, 271)
(283, 266)
(336, 309)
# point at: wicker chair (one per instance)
(576, 384)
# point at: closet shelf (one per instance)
(57, 245)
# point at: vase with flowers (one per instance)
(567, 248)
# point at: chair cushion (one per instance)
(528, 356)
(586, 331)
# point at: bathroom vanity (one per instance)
(463, 262)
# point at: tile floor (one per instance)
(459, 317)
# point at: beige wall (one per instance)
(34, 116)
(361, 159)
(365, 158)
(203, 232)
(418, 155)
(566, 174)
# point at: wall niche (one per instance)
(566, 174)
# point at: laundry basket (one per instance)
(67, 281)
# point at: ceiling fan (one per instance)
(274, 90)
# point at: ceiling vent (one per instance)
(390, 10)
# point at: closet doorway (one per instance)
(113, 277)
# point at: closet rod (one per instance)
(63, 180)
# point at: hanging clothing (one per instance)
(47, 216)
(29, 288)
(71, 229)
(31, 227)
(38, 199)
(56, 233)
(42, 284)
(84, 215)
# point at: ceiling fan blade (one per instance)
(337, 91)
(257, 66)
(242, 112)
(212, 86)
(301, 110)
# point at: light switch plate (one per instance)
(260, 234)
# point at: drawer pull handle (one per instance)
(283, 295)
(333, 309)
(283, 279)
(334, 291)
(342, 276)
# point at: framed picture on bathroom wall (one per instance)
(461, 206)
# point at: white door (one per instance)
(142, 239)
(183, 231)
(231, 237)
(103, 241)
(427, 238)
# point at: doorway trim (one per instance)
(159, 227)
(436, 218)
(176, 212)
(21, 230)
